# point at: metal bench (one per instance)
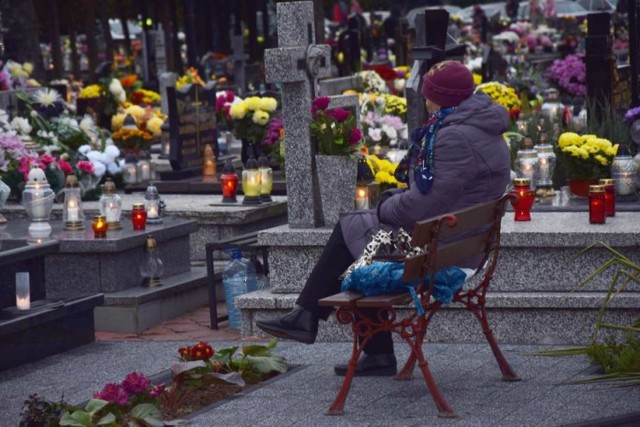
(448, 240)
(246, 243)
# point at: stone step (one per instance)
(564, 318)
(135, 310)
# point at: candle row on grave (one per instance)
(602, 200)
(257, 182)
(38, 197)
(137, 170)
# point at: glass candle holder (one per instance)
(23, 296)
(624, 174)
(609, 196)
(139, 216)
(72, 214)
(526, 196)
(111, 205)
(251, 182)
(596, 204)
(99, 226)
(266, 178)
(229, 183)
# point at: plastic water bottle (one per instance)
(238, 277)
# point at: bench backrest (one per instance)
(472, 233)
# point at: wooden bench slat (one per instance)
(384, 300)
(340, 300)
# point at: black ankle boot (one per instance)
(374, 365)
(299, 324)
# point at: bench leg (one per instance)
(444, 410)
(337, 407)
(508, 373)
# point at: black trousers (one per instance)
(324, 281)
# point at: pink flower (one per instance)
(156, 390)
(65, 167)
(135, 383)
(319, 104)
(47, 159)
(113, 393)
(25, 166)
(355, 136)
(85, 166)
(340, 114)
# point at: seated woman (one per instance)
(458, 159)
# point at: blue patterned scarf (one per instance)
(424, 140)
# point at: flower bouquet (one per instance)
(570, 74)
(586, 157)
(334, 130)
(503, 95)
(250, 117)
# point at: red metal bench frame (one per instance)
(448, 239)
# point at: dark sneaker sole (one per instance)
(387, 371)
(300, 336)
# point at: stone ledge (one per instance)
(264, 299)
(170, 286)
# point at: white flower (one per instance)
(84, 149)
(48, 136)
(404, 133)
(93, 156)
(70, 122)
(115, 87)
(122, 97)
(99, 169)
(49, 149)
(21, 125)
(45, 97)
(87, 124)
(112, 151)
(399, 84)
(375, 134)
(390, 131)
(114, 168)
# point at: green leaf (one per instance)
(78, 418)
(95, 405)
(108, 419)
(179, 368)
(148, 413)
(230, 378)
(266, 364)
(258, 350)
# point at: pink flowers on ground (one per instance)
(113, 393)
(135, 387)
(135, 383)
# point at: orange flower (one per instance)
(129, 80)
(364, 150)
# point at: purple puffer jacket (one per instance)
(472, 165)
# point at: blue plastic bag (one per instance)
(380, 278)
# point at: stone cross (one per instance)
(239, 58)
(297, 63)
(432, 45)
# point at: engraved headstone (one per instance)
(192, 125)
(239, 59)
(297, 63)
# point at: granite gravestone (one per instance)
(433, 45)
(599, 63)
(192, 125)
(329, 87)
(298, 62)
(634, 50)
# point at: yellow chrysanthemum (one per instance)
(27, 67)
(91, 91)
(260, 117)
(136, 111)
(268, 104)
(613, 150)
(154, 125)
(477, 79)
(601, 159)
(569, 139)
(117, 121)
(238, 111)
(252, 103)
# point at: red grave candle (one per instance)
(596, 204)
(522, 208)
(139, 216)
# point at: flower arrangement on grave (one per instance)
(201, 373)
(586, 156)
(383, 119)
(14, 75)
(383, 172)
(334, 130)
(224, 101)
(273, 144)
(191, 77)
(145, 97)
(503, 95)
(569, 74)
(372, 82)
(148, 120)
(251, 116)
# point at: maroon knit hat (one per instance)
(447, 83)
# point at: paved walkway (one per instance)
(467, 374)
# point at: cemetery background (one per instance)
(186, 113)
